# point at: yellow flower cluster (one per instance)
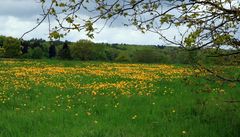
(90, 78)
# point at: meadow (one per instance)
(51, 98)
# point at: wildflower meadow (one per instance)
(97, 99)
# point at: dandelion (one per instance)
(184, 132)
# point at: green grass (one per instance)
(159, 107)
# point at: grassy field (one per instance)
(44, 98)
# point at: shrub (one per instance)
(82, 50)
(37, 53)
(144, 55)
(12, 47)
(99, 53)
(123, 57)
(45, 49)
(111, 54)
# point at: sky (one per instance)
(19, 16)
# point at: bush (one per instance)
(150, 56)
(12, 47)
(99, 53)
(123, 57)
(37, 53)
(45, 49)
(111, 54)
(83, 50)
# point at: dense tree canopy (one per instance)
(12, 47)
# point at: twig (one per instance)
(44, 17)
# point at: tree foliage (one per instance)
(1, 40)
(83, 50)
(25, 46)
(201, 23)
(65, 52)
(208, 23)
(2, 51)
(12, 47)
(52, 51)
(37, 53)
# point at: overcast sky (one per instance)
(18, 16)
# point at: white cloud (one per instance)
(19, 16)
(13, 26)
(20, 8)
(127, 35)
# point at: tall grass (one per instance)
(38, 102)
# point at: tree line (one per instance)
(86, 50)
